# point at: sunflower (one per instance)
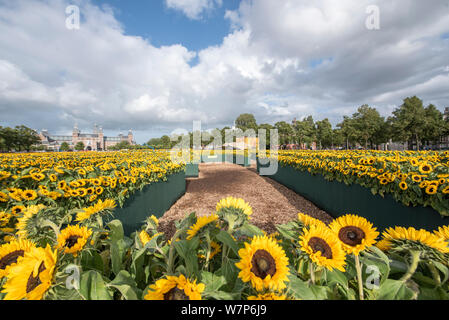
(216, 249)
(145, 237)
(323, 247)
(3, 197)
(62, 184)
(268, 296)
(17, 209)
(29, 195)
(263, 263)
(421, 237)
(431, 189)
(416, 178)
(200, 223)
(235, 203)
(354, 232)
(100, 206)
(10, 252)
(33, 276)
(73, 239)
(308, 220)
(403, 185)
(23, 224)
(425, 168)
(443, 232)
(175, 288)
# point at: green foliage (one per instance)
(20, 138)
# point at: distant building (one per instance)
(95, 141)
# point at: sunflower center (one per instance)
(319, 245)
(10, 258)
(175, 294)
(71, 241)
(351, 235)
(263, 264)
(34, 282)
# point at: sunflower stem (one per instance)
(208, 251)
(415, 255)
(359, 277)
(171, 254)
(51, 224)
(435, 274)
(312, 273)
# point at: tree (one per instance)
(367, 122)
(18, 139)
(267, 127)
(324, 133)
(285, 132)
(435, 126)
(79, 146)
(409, 121)
(348, 130)
(64, 146)
(305, 131)
(246, 121)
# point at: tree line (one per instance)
(19, 138)
(410, 123)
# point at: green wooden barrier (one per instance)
(192, 170)
(338, 199)
(154, 199)
(226, 157)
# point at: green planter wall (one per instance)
(221, 158)
(338, 199)
(154, 199)
(192, 170)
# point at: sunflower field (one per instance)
(411, 177)
(58, 242)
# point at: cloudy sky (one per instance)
(155, 66)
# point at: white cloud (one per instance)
(282, 59)
(193, 9)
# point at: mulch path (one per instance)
(272, 203)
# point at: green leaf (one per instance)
(250, 230)
(337, 277)
(116, 228)
(91, 260)
(226, 238)
(300, 289)
(117, 250)
(124, 283)
(212, 282)
(433, 294)
(394, 290)
(187, 249)
(93, 287)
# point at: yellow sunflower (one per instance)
(236, 203)
(17, 209)
(263, 263)
(323, 247)
(354, 232)
(425, 168)
(443, 232)
(22, 223)
(268, 296)
(29, 195)
(216, 249)
(73, 239)
(431, 189)
(308, 220)
(403, 185)
(421, 236)
(31, 278)
(10, 252)
(100, 206)
(145, 237)
(200, 223)
(175, 288)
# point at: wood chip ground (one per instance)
(272, 203)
